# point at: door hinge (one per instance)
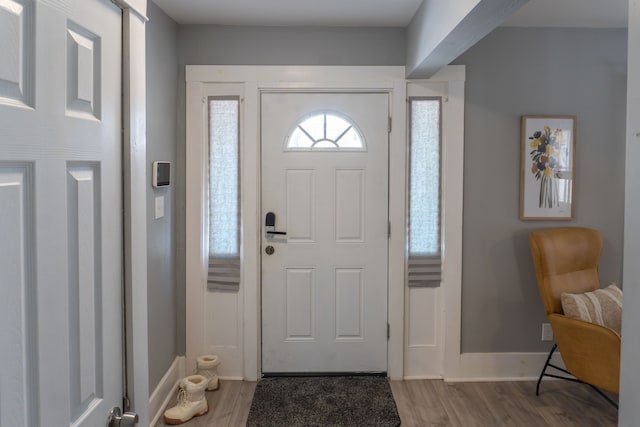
(389, 230)
(389, 124)
(388, 331)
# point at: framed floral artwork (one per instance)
(547, 171)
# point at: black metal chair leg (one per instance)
(545, 374)
(607, 398)
(544, 369)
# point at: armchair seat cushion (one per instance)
(602, 307)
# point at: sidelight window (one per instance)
(425, 258)
(224, 194)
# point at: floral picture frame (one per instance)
(547, 167)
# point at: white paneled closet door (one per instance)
(60, 212)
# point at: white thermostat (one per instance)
(161, 174)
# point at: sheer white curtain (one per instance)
(425, 258)
(224, 195)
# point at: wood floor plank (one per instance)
(426, 398)
(507, 405)
(434, 403)
(417, 404)
(404, 402)
(243, 404)
(223, 408)
(574, 404)
(464, 406)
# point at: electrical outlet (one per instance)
(547, 332)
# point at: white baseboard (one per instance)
(166, 389)
(501, 366)
(230, 378)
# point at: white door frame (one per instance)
(135, 210)
(200, 82)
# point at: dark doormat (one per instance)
(323, 401)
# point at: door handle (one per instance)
(270, 225)
(118, 419)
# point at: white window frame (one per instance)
(243, 361)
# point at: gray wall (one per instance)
(237, 45)
(226, 45)
(162, 83)
(517, 71)
(510, 72)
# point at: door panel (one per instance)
(349, 205)
(17, 333)
(349, 313)
(61, 209)
(300, 204)
(300, 304)
(324, 288)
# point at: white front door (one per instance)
(324, 283)
(60, 212)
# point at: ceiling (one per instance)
(382, 13)
(342, 13)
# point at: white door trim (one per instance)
(200, 80)
(135, 210)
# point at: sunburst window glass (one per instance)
(325, 131)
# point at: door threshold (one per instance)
(323, 374)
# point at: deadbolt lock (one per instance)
(269, 250)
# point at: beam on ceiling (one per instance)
(441, 30)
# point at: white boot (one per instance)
(207, 366)
(191, 401)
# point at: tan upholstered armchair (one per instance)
(566, 260)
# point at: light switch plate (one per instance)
(159, 207)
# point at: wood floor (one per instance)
(434, 403)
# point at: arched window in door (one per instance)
(325, 131)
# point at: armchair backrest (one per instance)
(565, 260)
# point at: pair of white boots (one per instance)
(191, 399)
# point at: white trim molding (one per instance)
(166, 389)
(135, 209)
(453, 177)
(478, 367)
(139, 7)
